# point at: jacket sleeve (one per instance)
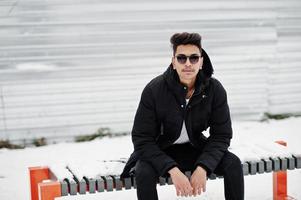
(144, 132)
(220, 131)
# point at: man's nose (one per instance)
(188, 63)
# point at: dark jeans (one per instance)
(185, 155)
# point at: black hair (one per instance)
(185, 38)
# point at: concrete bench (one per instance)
(72, 179)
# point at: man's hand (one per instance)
(198, 180)
(180, 182)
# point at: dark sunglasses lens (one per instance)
(194, 59)
(181, 59)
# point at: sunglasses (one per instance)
(193, 59)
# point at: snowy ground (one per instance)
(14, 181)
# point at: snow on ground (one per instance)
(14, 180)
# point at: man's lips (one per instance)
(187, 70)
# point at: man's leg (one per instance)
(146, 180)
(230, 168)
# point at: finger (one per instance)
(201, 188)
(204, 188)
(191, 191)
(178, 191)
(194, 191)
(199, 191)
(194, 187)
(186, 192)
(181, 192)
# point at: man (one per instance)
(175, 108)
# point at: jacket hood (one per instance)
(203, 76)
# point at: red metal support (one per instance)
(280, 182)
(37, 175)
(43, 190)
(49, 190)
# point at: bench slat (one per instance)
(245, 168)
(91, 183)
(127, 183)
(162, 180)
(117, 182)
(100, 184)
(275, 164)
(260, 166)
(297, 161)
(291, 163)
(268, 165)
(64, 188)
(73, 187)
(108, 183)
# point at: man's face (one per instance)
(188, 70)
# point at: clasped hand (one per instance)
(184, 187)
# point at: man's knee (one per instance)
(145, 172)
(235, 161)
(230, 163)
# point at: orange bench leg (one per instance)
(37, 175)
(279, 185)
(280, 182)
(49, 190)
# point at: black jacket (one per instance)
(160, 114)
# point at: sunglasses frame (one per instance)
(190, 58)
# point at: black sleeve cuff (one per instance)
(164, 172)
(205, 168)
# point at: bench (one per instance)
(61, 180)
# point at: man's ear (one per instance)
(173, 62)
(201, 62)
